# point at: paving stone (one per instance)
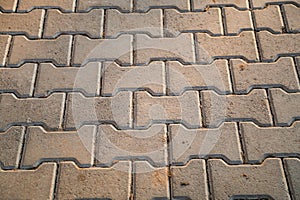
(74, 23)
(183, 77)
(65, 5)
(28, 184)
(4, 46)
(55, 50)
(235, 26)
(150, 22)
(261, 141)
(185, 183)
(117, 78)
(270, 18)
(202, 4)
(184, 109)
(93, 183)
(86, 49)
(150, 182)
(46, 111)
(124, 5)
(286, 106)
(116, 144)
(25, 23)
(42, 145)
(201, 143)
(209, 21)
(293, 17)
(181, 47)
(265, 179)
(19, 80)
(293, 166)
(10, 146)
(145, 5)
(82, 110)
(51, 78)
(8, 5)
(263, 3)
(251, 75)
(253, 106)
(242, 45)
(275, 45)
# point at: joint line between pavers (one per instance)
(169, 159)
(224, 21)
(287, 180)
(271, 107)
(283, 19)
(64, 111)
(165, 75)
(44, 23)
(242, 144)
(297, 66)
(209, 185)
(231, 76)
(104, 23)
(23, 148)
(56, 181)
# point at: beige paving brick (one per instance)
(275, 45)
(145, 5)
(185, 183)
(177, 22)
(286, 106)
(150, 182)
(25, 23)
(242, 45)
(117, 78)
(83, 183)
(85, 110)
(293, 17)
(265, 179)
(235, 26)
(263, 3)
(251, 75)
(202, 4)
(86, 49)
(181, 47)
(65, 5)
(18, 80)
(8, 5)
(293, 166)
(200, 143)
(28, 184)
(150, 22)
(182, 77)
(51, 78)
(43, 145)
(10, 146)
(270, 18)
(124, 5)
(184, 109)
(4, 46)
(127, 144)
(88, 23)
(262, 141)
(253, 106)
(47, 111)
(56, 50)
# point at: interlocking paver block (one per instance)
(293, 166)
(55, 50)
(65, 5)
(261, 141)
(42, 145)
(253, 106)
(28, 184)
(81, 109)
(4, 46)
(181, 47)
(265, 179)
(275, 45)
(185, 183)
(86, 49)
(8, 5)
(263, 3)
(93, 183)
(117, 78)
(10, 146)
(202, 4)
(144, 5)
(25, 23)
(270, 18)
(286, 106)
(74, 23)
(19, 80)
(235, 26)
(184, 109)
(209, 21)
(124, 5)
(293, 17)
(51, 78)
(183, 77)
(127, 144)
(150, 182)
(251, 75)
(200, 143)
(46, 111)
(243, 45)
(150, 22)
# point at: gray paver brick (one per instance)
(202, 4)
(124, 5)
(293, 166)
(253, 106)
(265, 179)
(293, 17)
(235, 26)
(10, 146)
(28, 184)
(269, 17)
(263, 3)
(4, 46)
(65, 5)
(85, 183)
(8, 5)
(144, 5)
(18, 80)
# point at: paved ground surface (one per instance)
(149, 99)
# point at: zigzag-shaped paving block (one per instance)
(202, 4)
(145, 5)
(263, 3)
(65, 5)
(124, 5)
